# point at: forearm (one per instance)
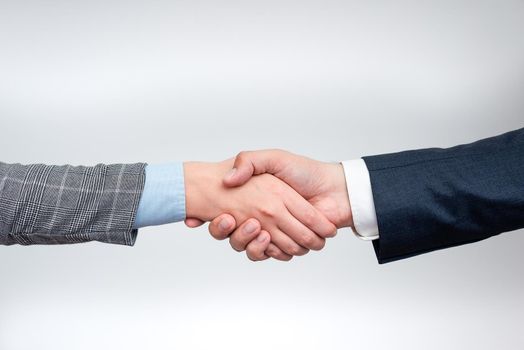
(437, 198)
(48, 204)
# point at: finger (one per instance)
(276, 253)
(250, 163)
(192, 222)
(245, 233)
(222, 226)
(309, 216)
(285, 243)
(301, 234)
(255, 249)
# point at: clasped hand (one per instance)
(269, 203)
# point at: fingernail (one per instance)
(231, 173)
(261, 238)
(223, 224)
(250, 228)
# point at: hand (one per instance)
(286, 218)
(322, 184)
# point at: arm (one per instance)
(47, 204)
(438, 198)
(425, 199)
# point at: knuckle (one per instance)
(254, 254)
(283, 257)
(269, 210)
(235, 246)
(332, 233)
(309, 241)
(274, 253)
(320, 244)
(294, 249)
(251, 257)
(302, 251)
(217, 234)
(271, 251)
(215, 231)
(242, 156)
(309, 217)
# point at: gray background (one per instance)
(83, 82)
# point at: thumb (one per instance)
(249, 163)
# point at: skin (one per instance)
(269, 209)
(322, 184)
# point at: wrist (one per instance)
(197, 177)
(340, 194)
(203, 184)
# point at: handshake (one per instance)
(269, 203)
(275, 204)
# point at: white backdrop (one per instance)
(83, 82)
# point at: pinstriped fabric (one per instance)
(48, 204)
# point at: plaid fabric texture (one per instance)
(48, 204)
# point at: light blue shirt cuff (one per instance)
(163, 199)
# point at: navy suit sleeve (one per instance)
(436, 198)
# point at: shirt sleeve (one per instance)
(361, 199)
(163, 199)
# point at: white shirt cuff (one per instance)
(361, 199)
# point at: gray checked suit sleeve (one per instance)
(48, 204)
